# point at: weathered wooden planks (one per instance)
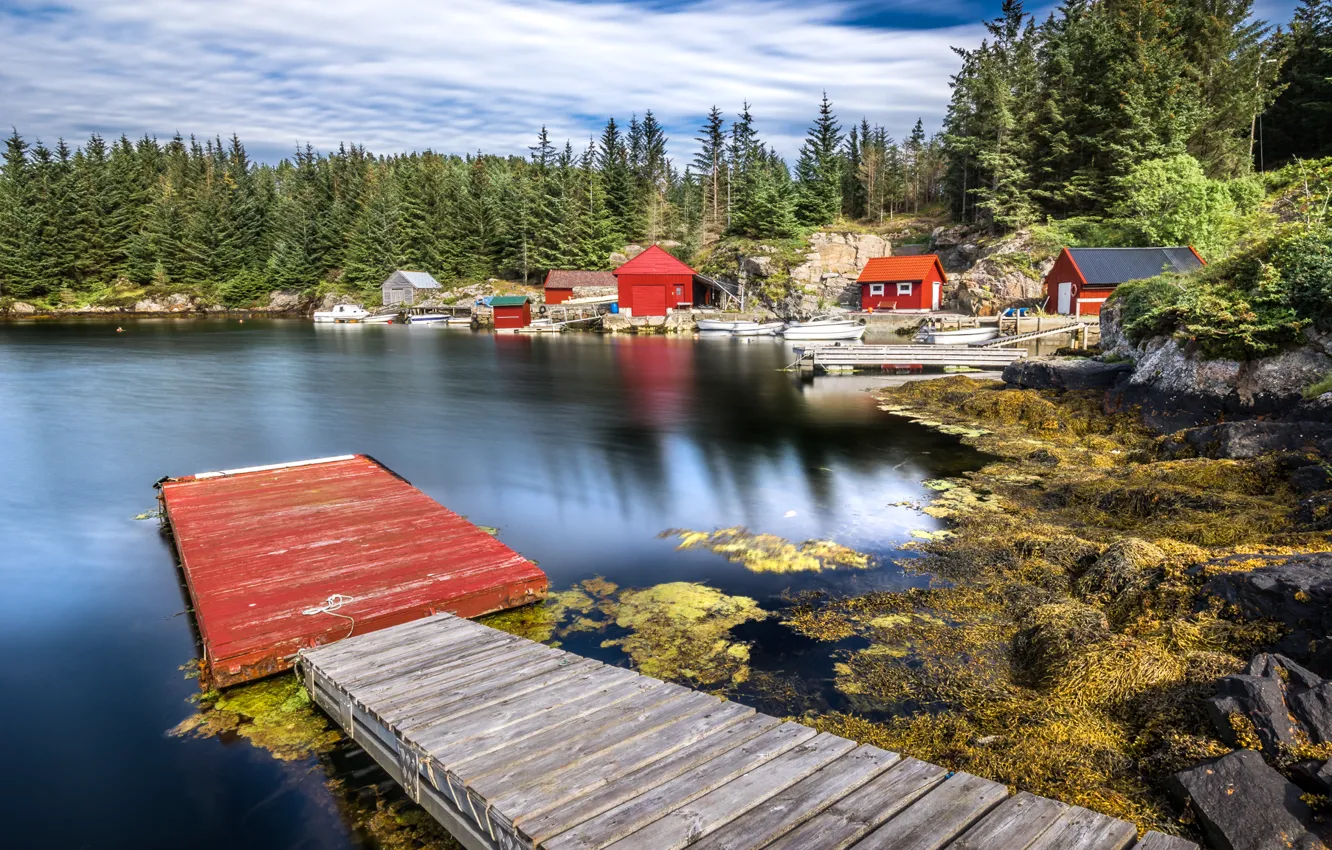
(516, 746)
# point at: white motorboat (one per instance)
(759, 329)
(381, 319)
(430, 319)
(456, 322)
(342, 314)
(963, 336)
(836, 329)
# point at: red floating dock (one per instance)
(279, 558)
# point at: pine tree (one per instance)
(819, 169)
(1299, 123)
(710, 165)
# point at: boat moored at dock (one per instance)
(342, 314)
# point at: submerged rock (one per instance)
(1243, 804)
(1074, 373)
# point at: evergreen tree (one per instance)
(710, 164)
(1299, 123)
(819, 169)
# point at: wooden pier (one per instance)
(513, 745)
(830, 357)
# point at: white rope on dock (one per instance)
(331, 606)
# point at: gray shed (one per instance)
(402, 287)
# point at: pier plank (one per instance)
(1081, 829)
(1158, 841)
(848, 820)
(783, 812)
(629, 817)
(489, 673)
(937, 818)
(577, 782)
(1013, 825)
(546, 822)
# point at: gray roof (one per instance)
(1106, 266)
(419, 280)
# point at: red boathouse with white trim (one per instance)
(906, 284)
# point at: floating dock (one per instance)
(279, 558)
(831, 357)
(513, 745)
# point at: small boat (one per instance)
(720, 325)
(342, 314)
(825, 329)
(759, 329)
(381, 319)
(964, 336)
(429, 319)
(456, 322)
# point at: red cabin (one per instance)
(563, 284)
(511, 312)
(1082, 278)
(902, 283)
(654, 283)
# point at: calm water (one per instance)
(582, 450)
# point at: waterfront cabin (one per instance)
(405, 288)
(564, 284)
(1082, 278)
(905, 284)
(654, 284)
(511, 312)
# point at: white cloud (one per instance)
(457, 76)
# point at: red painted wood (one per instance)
(1065, 270)
(556, 295)
(259, 548)
(660, 279)
(513, 317)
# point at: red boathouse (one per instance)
(654, 284)
(913, 283)
(278, 558)
(1082, 278)
(511, 312)
(563, 284)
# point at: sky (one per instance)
(459, 76)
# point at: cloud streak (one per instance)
(458, 76)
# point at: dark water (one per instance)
(582, 450)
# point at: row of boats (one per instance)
(827, 329)
(353, 314)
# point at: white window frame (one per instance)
(907, 290)
(876, 289)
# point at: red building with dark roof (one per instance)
(902, 283)
(563, 284)
(1082, 278)
(654, 283)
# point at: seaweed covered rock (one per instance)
(1074, 373)
(1243, 804)
(1054, 634)
(1294, 590)
(1120, 579)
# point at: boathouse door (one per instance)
(938, 295)
(1065, 298)
(649, 300)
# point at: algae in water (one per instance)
(768, 553)
(276, 714)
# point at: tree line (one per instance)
(204, 215)
(1049, 119)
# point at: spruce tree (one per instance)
(819, 169)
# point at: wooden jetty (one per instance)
(1077, 329)
(277, 558)
(513, 745)
(830, 357)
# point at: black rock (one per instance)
(1313, 775)
(1311, 478)
(1077, 373)
(1295, 590)
(1251, 437)
(1243, 804)
(1260, 699)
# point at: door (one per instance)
(649, 300)
(679, 295)
(1065, 298)
(938, 295)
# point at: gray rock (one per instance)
(1073, 373)
(1260, 696)
(1311, 479)
(1243, 804)
(22, 308)
(284, 300)
(1315, 776)
(1248, 438)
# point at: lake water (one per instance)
(582, 450)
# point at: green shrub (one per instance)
(1172, 202)
(244, 289)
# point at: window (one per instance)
(904, 288)
(876, 289)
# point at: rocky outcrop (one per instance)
(986, 279)
(1280, 702)
(1177, 388)
(1071, 373)
(1243, 804)
(833, 263)
(21, 308)
(1249, 438)
(285, 301)
(1294, 590)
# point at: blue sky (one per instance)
(467, 75)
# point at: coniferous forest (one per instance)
(1087, 113)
